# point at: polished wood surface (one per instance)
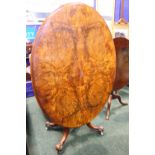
(122, 62)
(73, 65)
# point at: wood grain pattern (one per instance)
(73, 65)
(122, 62)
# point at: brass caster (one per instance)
(107, 118)
(59, 147)
(101, 130)
(98, 129)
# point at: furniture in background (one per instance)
(122, 71)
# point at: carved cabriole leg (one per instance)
(99, 129)
(108, 106)
(117, 96)
(113, 95)
(59, 146)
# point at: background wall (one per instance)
(51, 5)
(35, 7)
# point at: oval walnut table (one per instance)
(122, 70)
(73, 67)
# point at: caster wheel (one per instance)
(46, 126)
(102, 133)
(124, 103)
(59, 147)
(107, 118)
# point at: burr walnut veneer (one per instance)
(73, 65)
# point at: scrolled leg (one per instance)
(108, 107)
(59, 146)
(117, 96)
(99, 129)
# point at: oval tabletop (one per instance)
(122, 62)
(73, 65)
